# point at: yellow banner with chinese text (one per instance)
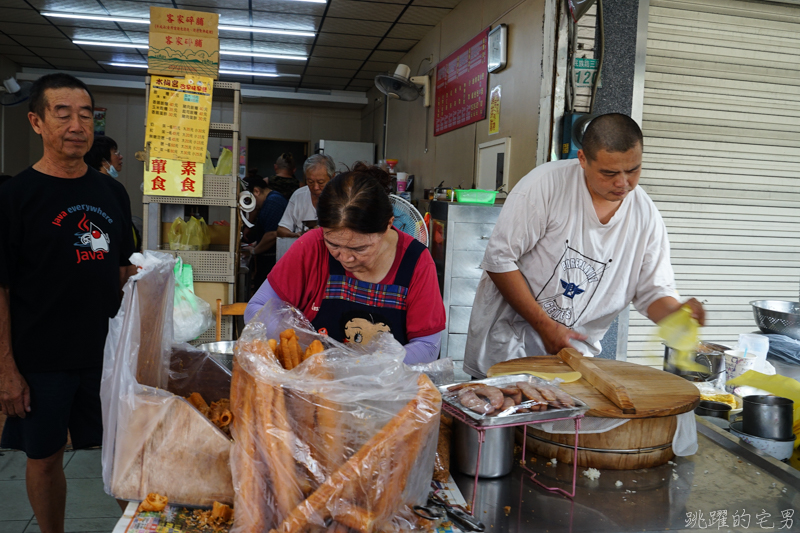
(178, 118)
(169, 177)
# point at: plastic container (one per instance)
(475, 196)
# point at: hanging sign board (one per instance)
(183, 43)
(170, 177)
(494, 111)
(461, 82)
(178, 118)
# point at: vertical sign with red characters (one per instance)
(461, 82)
(169, 177)
(183, 43)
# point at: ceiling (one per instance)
(354, 39)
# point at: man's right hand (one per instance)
(556, 337)
(15, 396)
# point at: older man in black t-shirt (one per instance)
(65, 240)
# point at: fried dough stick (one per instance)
(273, 430)
(363, 463)
(245, 457)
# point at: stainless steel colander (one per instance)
(777, 316)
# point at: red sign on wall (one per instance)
(461, 83)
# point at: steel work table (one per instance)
(721, 476)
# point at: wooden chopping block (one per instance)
(601, 380)
(653, 392)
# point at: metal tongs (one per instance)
(437, 507)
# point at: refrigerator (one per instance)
(345, 153)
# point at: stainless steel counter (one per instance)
(756, 492)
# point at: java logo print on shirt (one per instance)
(93, 238)
(567, 293)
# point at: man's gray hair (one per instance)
(318, 160)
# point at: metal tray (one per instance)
(505, 381)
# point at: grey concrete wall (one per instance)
(620, 20)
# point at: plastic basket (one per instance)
(475, 196)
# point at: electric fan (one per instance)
(408, 220)
(402, 86)
(13, 93)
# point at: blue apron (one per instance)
(353, 310)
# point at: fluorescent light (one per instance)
(253, 29)
(121, 45)
(230, 72)
(134, 20)
(143, 46)
(138, 20)
(260, 54)
(133, 65)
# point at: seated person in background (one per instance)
(270, 206)
(319, 169)
(356, 275)
(104, 157)
(284, 180)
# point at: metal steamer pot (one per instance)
(710, 355)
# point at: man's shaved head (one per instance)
(613, 132)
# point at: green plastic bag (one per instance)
(224, 163)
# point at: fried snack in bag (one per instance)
(345, 438)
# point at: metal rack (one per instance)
(461, 417)
(218, 264)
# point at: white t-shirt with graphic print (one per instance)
(582, 272)
(299, 210)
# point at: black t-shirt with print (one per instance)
(62, 242)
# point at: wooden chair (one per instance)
(236, 309)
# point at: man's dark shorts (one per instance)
(59, 401)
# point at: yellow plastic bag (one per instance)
(192, 235)
(175, 233)
(682, 333)
(224, 163)
(778, 385)
(208, 167)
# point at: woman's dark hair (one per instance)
(357, 200)
(286, 161)
(100, 151)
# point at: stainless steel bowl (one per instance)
(221, 351)
(777, 316)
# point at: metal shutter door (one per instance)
(721, 121)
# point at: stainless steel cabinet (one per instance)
(460, 234)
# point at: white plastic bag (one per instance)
(191, 315)
(153, 439)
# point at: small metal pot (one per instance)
(497, 454)
(716, 409)
(769, 417)
(221, 351)
(710, 355)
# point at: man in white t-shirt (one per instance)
(575, 243)
(319, 169)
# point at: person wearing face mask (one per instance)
(356, 275)
(104, 157)
(319, 169)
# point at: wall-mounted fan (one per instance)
(408, 220)
(13, 93)
(402, 86)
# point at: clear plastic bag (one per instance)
(154, 440)
(348, 435)
(191, 316)
(441, 371)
